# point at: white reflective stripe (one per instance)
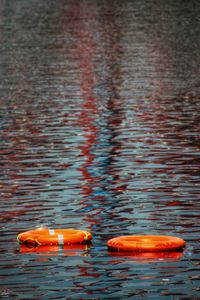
(51, 231)
(60, 239)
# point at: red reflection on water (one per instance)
(174, 203)
(8, 215)
(91, 111)
(86, 50)
(21, 136)
(85, 272)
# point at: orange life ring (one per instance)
(45, 236)
(147, 243)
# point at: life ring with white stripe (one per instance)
(146, 243)
(45, 236)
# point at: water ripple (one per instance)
(99, 117)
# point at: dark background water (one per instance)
(99, 118)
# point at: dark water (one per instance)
(100, 126)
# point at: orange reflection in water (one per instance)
(145, 257)
(66, 250)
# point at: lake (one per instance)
(100, 131)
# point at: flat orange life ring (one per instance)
(146, 243)
(45, 236)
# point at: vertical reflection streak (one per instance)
(101, 115)
(89, 109)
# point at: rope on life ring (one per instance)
(146, 243)
(45, 236)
